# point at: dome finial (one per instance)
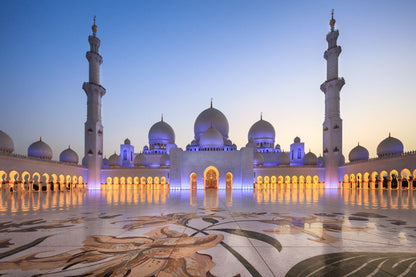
(69, 146)
(358, 143)
(261, 116)
(162, 118)
(389, 135)
(40, 138)
(332, 21)
(94, 28)
(211, 103)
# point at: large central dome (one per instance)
(211, 116)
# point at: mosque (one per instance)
(211, 160)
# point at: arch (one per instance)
(266, 179)
(34, 184)
(156, 180)
(116, 181)
(366, 177)
(405, 173)
(346, 178)
(109, 180)
(25, 177)
(142, 181)
(287, 180)
(273, 179)
(358, 180)
(308, 180)
(393, 172)
(74, 180)
(3, 177)
(149, 180)
(136, 180)
(229, 180)
(192, 180)
(163, 180)
(280, 179)
(315, 179)
(259, 180)
(61, 178)
(13, 176)
(54, 178)
(294, 179)
(211, 176)
(80, 180)
(122, 180)
(301, 179)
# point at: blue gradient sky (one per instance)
(171, 57)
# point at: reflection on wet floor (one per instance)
(65, 200)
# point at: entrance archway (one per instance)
(193, 180)
(229, 180)
(211, 175)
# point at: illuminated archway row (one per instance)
(24, 181)
(288, 182)
(395, 179)
(129, 182)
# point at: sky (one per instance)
(172, 57)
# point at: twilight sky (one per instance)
(171, 57)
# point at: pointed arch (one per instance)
(192, 180)
(211, 177)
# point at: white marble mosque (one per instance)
(211, 159)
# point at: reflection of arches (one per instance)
(211, 176)
(229, 180)
(192, 178)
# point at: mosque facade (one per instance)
(211, 160)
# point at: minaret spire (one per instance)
(332, 21)
(332, 126)
(93, 147)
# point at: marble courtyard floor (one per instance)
(138, 232)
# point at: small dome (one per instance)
(296, 140)
(40, 150)
(69, 156)
(105, 162)
(258, 158)
(211, 138)
(228, 143)
(114, 160)
(126, 141)
(251, 143)
(283, 159)
(161, 132)
(140, 160)
(320, 161)
(164, 160)
(358, 153)
(277, 146)
(194, 143)
(310, 159)
(390, 146)
(262, 129)
(211, 117)
(6, 143)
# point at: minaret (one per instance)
(93, 125)
(332, 127)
